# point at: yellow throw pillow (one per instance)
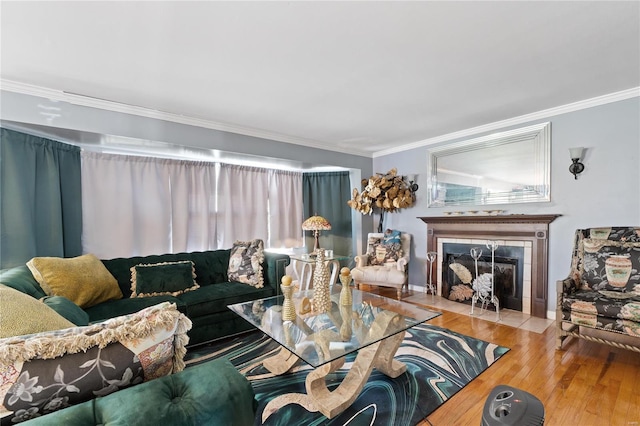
(22, 314)
(84, 279)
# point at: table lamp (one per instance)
(316, 224)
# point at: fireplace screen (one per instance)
(459, 272)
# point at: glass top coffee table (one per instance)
(373, 326)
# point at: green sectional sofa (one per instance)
(212, 393)
(206, 306)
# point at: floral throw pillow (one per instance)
(45, 372)
(245, 263)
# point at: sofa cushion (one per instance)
(166, 278)
(83, 279)
(604, 303)
(22, 314)
(67, 309)
(49, 371)
(215, 298)
(114, 308)
(214, 326)
(245, 262)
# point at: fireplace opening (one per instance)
(508, 273)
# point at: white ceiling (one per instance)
(358, 76)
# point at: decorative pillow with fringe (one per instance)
(245, 262)
(45, 372)
(167, 278)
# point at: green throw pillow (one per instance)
(67, 309)
(168, 278)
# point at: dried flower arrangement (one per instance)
(388, 192)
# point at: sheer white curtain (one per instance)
(243, 199)
(136, 206)
(193, 206)
(126, 205)
(285, 209)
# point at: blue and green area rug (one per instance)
(439, 364)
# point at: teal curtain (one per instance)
(40, 198)
(326, 194)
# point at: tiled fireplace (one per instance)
(524, 242)
(512, 261)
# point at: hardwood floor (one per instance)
(584, 384)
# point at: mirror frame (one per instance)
(538, 134)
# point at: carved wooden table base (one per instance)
(331, 403)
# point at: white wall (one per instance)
(606, 193)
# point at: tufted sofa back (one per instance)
(607, 259)
(210, 266)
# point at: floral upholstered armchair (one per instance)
(600, 299)
(385, 263)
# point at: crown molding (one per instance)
(540, 115)
(91, 102)
(87, 101)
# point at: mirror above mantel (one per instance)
(501, 168)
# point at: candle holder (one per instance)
(346, 299)
(476, 253)
(431, 257)
(288, 308)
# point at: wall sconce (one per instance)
(576, 167)
(413, 186)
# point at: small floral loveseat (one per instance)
(600, 299)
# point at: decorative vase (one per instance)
(618, 269)
(345, 328)
(346, 298)
(288, 308)
(321, 276)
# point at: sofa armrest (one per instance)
(273, 268)
(566, 286)
(402, 263)
(362, 260)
